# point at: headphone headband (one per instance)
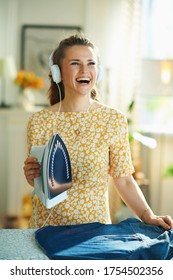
(51, 59)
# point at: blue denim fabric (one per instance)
(130, 239)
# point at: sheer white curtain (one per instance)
(126, 47)
(125, 71)
(115, 27)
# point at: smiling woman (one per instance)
(80, 60)
(96, 137)
(78, 75)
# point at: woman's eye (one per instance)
(92, 63)
(75, 63)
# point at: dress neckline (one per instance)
(78, 112)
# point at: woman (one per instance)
(96, 137)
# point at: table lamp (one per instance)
(7, 70)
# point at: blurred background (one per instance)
(135, 40)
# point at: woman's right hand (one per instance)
(32, 169)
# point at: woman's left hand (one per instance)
(164, 221)
(132, 195)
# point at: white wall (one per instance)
(9, 38)
(98, 18)
(66, 12)
(15, 13)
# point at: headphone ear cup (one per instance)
(99, 74)
(56, 74)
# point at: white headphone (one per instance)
(56, 74)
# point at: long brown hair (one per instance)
(58, 55)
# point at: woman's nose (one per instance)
(84, 68)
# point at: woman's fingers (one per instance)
(31, 169)
(168, 220)
(30, 160)
(165, 221)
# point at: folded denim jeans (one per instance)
(130, 239)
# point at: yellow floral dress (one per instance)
(98, 146)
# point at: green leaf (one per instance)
(131, 106)
(169, 171)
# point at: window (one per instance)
(156, 87)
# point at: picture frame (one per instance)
(37, 43)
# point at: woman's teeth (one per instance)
(83, 80)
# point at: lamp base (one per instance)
(4, 106)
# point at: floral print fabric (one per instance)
(97, 142)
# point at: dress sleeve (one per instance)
(120, 162)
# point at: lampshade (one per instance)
(8, 67)
(8, 72)
(156, 77)
(166, 72)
